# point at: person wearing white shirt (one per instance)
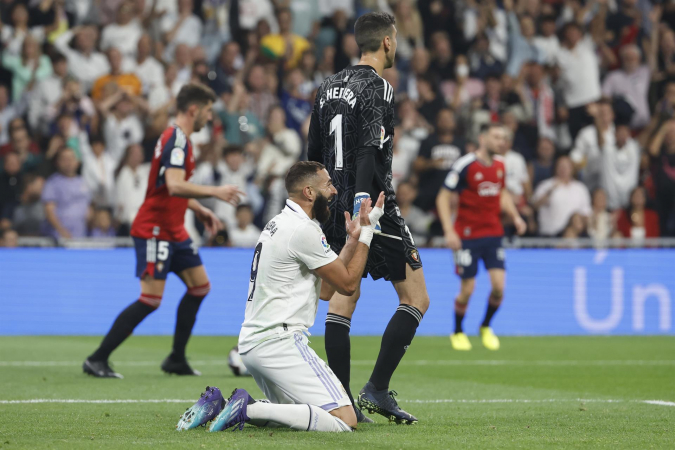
(7, 114)
(130, 186)
(253, 11)
(46, 95)
(12, 36)
(517, 177)
(245, 234)
(124, 33)
(145, 66)
(547, 42)
(84, 62)
(559, 197)
(586, 153)
(98, 171)
(182, 27)
(620, 168)
(122, 126)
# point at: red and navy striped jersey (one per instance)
(162, 216)
(479, 187)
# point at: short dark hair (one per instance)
(486, 127)
(194, 94)
(301, 171)
(371, 28)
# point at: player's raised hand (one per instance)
(212, 223)
(352, 225)
(229, 193)
(453, 241)
(364, 210)
(521, 226)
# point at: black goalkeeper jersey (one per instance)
(354, 109)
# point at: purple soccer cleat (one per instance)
(207, 407)
(234, 412)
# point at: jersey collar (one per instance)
(364, 66)
(294, 207)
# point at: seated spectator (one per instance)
(84, 62)
(458, 94)
(73, 103)
(10, 188)
(10, 238)
(576, 227)
(12, 36)
(125, 81)
(28, 68)
(517, 177)
(620, 167)
(405, 152)
(541, 168)
(637, 221)
(442, 63)
(21, 144)
(662, 152)
(631, 82)
(419, 66)
(131, 182)
(601, 223)
(229, 63)
(123, 125)
(557, 198)
(430, 102)
(245, 234)
(125, 33)
(261, 98)
(295, 100)
(7, 114)
(437, 154)
(416, 219)
(102, 224)
(240, 123)
(66, 199)
(45, 96)
(283, 148)
(586, 153)
(144, 65)
(481, 61)
(98, 171)
(29, 215)
(181, 27)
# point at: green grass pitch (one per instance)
(544, 392)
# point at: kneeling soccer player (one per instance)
(290, 261)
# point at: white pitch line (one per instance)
(476, 362)
(427, 401)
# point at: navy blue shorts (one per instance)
(158, 258)
(488, 249)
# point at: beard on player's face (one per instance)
(320, 208)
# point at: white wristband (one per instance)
(366, 235)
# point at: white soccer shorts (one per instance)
(287, 370)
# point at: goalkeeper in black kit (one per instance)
(351, 133)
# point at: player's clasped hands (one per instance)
(229, 193)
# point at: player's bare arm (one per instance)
(445, 202)
(509, 207)
(179, 187)
(344, 278)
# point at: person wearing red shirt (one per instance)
(161, 241)
(637, 221)
(476, 182)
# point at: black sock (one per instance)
(493, 306)
(122, 328)
(395, 341)
(460, 311)
(185, 320)
(338, 349)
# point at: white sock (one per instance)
(296, 417)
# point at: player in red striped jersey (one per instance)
(161, 241)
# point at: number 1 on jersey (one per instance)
(336, 127)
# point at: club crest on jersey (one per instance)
(478, 176)
(381, 136)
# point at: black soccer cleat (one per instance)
(383, 403)
(99, 369)
(178, 367)
(362, 418)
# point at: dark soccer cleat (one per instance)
(207, 407)
(362, 418)
(178, 367)
(99, 369)
(233, 414)
(383, 403)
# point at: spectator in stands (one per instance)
(295, 100)
(98, 171)
(7, 114)
(637, 221)
(227, 67)
(430, 103)
(306, 18)
(662, 152)
(442, 61)
(557, 198)
(419, 67)
(437, 154)
(241, 124)
(181, 27)
(84, 62)
(125, 33)
(464, 89)
(123, 126)
(586, 154)
(540, 99)
(481, 60)
(285, 45)
(541, 168)
(66, 199)
(576, 227)
(10, 238)
(601, 223)
(28, 68)
(75, 103)
(144, 65)
(521, 40)
(261, 99)
(245, 234)
(21, 144)
(517, 176)
(283, 148)
(102, 226)
(631, 83)
(547, 40)
(10, 188)
(620, 167)
(410, 29)
(12, 36)
(125, 81)
(415, 218)
(487, 18)
(29, 215)
(131, 182)
(45, 95)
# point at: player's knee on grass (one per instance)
(346, 414)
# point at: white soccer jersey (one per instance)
(283, 288)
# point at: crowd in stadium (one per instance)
(586, 92)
